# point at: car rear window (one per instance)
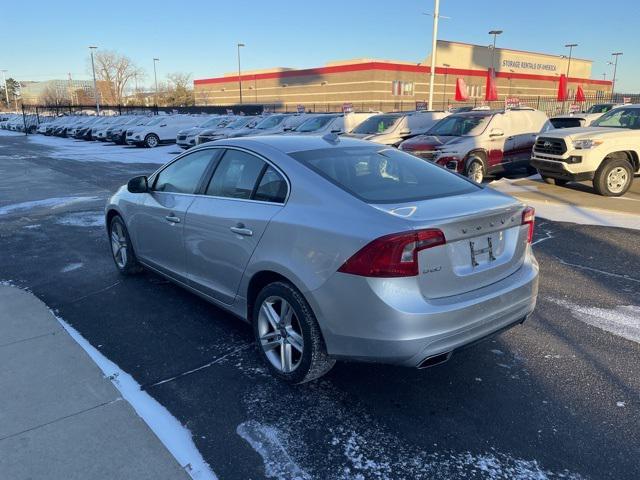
(565, 122)
(383, 174)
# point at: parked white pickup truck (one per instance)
(607, 152)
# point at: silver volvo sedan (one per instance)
(332, 248)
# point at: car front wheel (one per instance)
(613, 178)
(151, 141)
(288, 335)
(475, 170)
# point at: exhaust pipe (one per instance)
(434, 360)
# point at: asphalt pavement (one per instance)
(558, 397)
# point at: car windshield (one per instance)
(620, 118)
(377, 124)
(383, 175)
(314, 124)
(600, 108)
(239, 123)
(154, 121)
(562, 123)
(212, 122)
(270, 122)
(460, 126)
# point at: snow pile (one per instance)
(56, 202)
(82, 219)
(66, 148)
(623, 320)
(71, 267)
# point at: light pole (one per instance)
(510, 78)
(495, 33)
(95, 84)
(434, 46)
(239, 71)
(155, 78)
(604, 76)
(615, 67)
(570, 47)
(444, 90)
(6, 91)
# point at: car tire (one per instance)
(554, 181)
(151, 140)
(613, 178)
(292, 347)
(475, 170)
(121, 248)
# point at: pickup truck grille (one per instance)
(551, 146)
(181, 137)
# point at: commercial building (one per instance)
(57, 92)
(394, 85)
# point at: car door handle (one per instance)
(241, 230)
(172, 219)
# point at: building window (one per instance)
(400, 88)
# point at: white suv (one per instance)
(607, 152)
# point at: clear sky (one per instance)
(44, 39)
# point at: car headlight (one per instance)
(586, 144)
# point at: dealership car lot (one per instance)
(554, 397)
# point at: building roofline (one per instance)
(389, 66)
(516, 50)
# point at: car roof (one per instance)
(295, 143)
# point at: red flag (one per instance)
(461, 90)
(580, 94)
(491, 91)
(562, 88)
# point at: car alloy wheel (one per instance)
(617, 180)
(119, 245)
(151, 141)
(476, 172)
(280, 334)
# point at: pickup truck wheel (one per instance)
(475, 170)
(613, 178)
(151, 140)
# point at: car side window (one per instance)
(272, 187)
(236, 175)
(185, 174)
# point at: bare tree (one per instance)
(116, 71)
(179, 91)
(54, 96)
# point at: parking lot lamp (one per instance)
(615, 67)
(95, 84)
(570, 47)
(434, 46)
(240, 71)
(444, 90)
(495, 33)
(155, 78)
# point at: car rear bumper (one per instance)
(389, 321)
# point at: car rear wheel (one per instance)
(288, 335)
(121, 248)
(613, 178)
(151, 140)
(475, 170)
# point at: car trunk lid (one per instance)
(485, 240)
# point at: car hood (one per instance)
(429, 142)
(579, 133)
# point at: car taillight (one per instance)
(394, 255)
(528, 218)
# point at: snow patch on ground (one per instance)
(82, 219)
(85, 151)
(266, 441)
(623, 320)
(584, 216)
(71, 267)
(56, 202)
(9, 133)
(175, 437)
(32, 227)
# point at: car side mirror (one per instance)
(337, 130)
(496, 132)
(163, 124)
(138, 184)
